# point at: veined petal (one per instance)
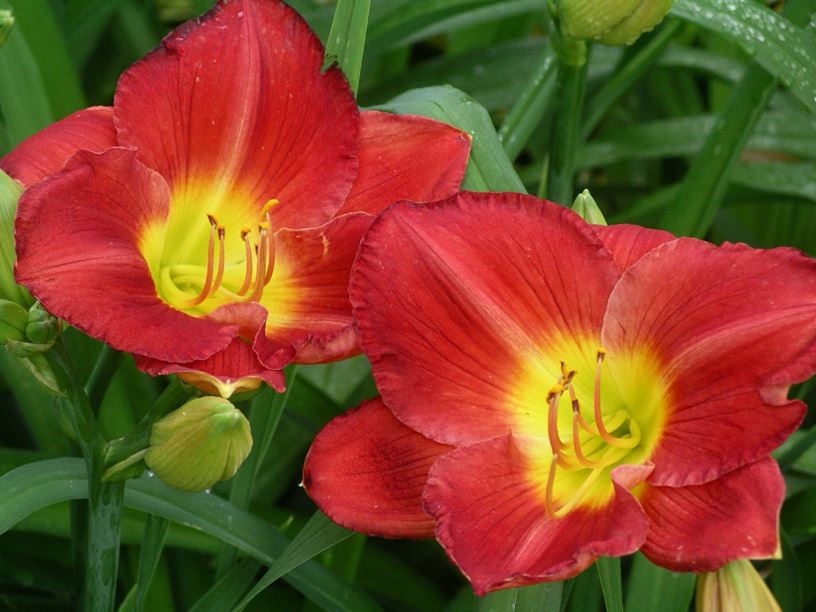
(701, 528)
(492, 520)
(44, 153)
(455, 299)
(77, 252)
(406, 157)
(628, 243)
(732, 328)
(235, 104)
(307, 297)
(232, 370)
(366, 471)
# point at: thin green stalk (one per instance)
(263, 419)
(346, 41)
(631, 71)
(104, 500)
(702, 191)
(567, 130)
(531, 106)
(98, 382)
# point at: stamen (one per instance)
(579, 495)
(205, 289)
(270, 264)
(219, 275)
(548, 497)
(257, 292)
(248, 254)
(598, 416)
(552, 417)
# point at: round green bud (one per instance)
(204, 441)
(611, 22)
(42, 327)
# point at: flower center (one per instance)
(591, 447)
(600, 410)
(196, 279)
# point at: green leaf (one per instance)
(37, 485)
(609, 571)
(346, 41)
(489, 168)
(653, 588)
(319, 534)
(154, 537)
(786, 580)
(86, 22)
(538, 598)
(23, 98)
(226, 592)
(786, 51)
(47, 43)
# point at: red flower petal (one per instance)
(307, 298)
(492, 521)
(232, 370)
(628, 243)
(732, 328)
(404, 157)
(235, 102)
(44, 153)
(452, 298)
(77, 252)
(366, 471)
(701, 528)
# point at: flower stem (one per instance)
(572, 74)
(104, 499)
(98, 382)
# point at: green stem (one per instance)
(566, 133)
(702, 192)
(628, 73)
(98, 382)
(346, 41)
(531, 107)
(104, 500)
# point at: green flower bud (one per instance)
(13, 319)
(612, 22)
(42, 326)
(6, 22)
(733, 588)
(10, 192)
(587, 208)
(204, 441)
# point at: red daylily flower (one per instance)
(554, 391)
(207, 223)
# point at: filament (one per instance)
(248, 255)
(205, 289)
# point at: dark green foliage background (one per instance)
(652, 107)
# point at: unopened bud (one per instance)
(611, 22)
(42, 326)
(6, 23)
(734, 588)
(204, 441)
(587, 208)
